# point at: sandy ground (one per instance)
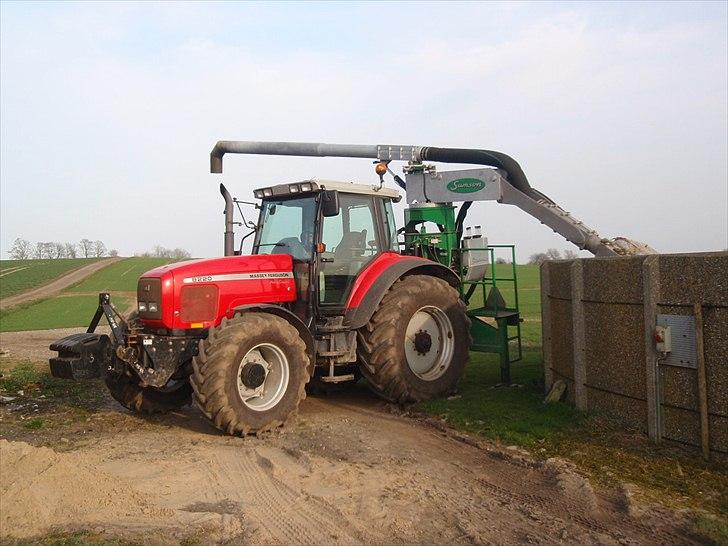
(348, 471)
(57, 285)
(33, 345)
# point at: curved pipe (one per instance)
(516, 176)
(489, 158)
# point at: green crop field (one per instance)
(121, 276)
(75, 306)
(59, 312)
(17, 276)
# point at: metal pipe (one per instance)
(517, 191)
(383, 152)
(229, 222)
(306, 149)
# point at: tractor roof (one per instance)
(318, 184)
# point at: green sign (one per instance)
(466, 185)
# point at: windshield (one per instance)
(287, 227)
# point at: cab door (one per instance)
(351, 240)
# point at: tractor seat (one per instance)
(351, 246)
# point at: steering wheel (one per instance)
(292, 246)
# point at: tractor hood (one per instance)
(199, 293)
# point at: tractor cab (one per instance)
(332, 230)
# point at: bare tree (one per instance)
(570, 254)
(86, 246)
(99, 249)
(43, 251)
(161, 252)
(180, 254)
(113, 253)
(70, 250)
(553, 254)
(21, 249)
(538, 258)
(59, 250)
(49, 250)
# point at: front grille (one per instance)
(149, 291)
(198, 303)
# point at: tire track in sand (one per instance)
(288, 516)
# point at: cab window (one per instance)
(351, 241)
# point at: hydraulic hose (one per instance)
(516, 176)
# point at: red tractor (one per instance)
(325, 295)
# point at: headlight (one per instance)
(258, 194)
(267, 192)
(152, 307)
(293, 188)
(306, 187)
(142, 307)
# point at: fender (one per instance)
(374, 282)
(284, 313)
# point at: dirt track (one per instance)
(54, 287)
(347, 472)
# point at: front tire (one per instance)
(249, 375)
(129, 393)
(417, 343)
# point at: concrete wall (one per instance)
(598, 321)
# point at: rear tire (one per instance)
(417, 343)
(250, 374)
(126, 389)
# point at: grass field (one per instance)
(75, 306)
(17, 276)
(121, 276)
(58, 312)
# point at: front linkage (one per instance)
(153, 357)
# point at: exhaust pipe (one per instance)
(229, 223)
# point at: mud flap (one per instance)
(81, 356)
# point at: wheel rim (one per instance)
(275, 374)
(429, 343)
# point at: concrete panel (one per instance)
(560, 279)
(681, 425)
(680, 387)
(562, 350)
(615, 350)
(548, 376)
(628, 410)
(719, 433)
(715, 332)
(616, 280)
(694, 278)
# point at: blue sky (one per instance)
(618, 111)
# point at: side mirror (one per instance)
(330, 203)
